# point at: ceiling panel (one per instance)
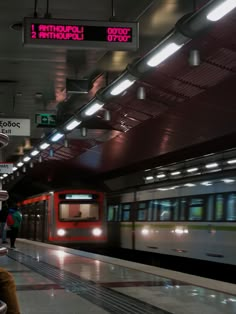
(179, 98)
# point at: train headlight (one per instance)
(61, 232)
(97, 232)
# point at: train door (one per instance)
(143, 240)
(25, 222)
(31, 222)
(40, 220)
(34, 221)
(195, 239)
(215, 216)
(113, 225)
(126, 226)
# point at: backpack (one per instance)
(10, 220)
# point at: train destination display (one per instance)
(80, 34)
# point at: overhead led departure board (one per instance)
(75, 34)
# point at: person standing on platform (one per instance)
(3, 218)
(8, 290)
(14, 219)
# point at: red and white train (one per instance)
(65, 217)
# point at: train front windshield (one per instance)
(77, 211)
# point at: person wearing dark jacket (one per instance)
(3, 218)
(16, 219)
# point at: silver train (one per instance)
(195, 220)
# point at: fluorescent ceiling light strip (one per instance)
(44, 146)
(231, 161)
(221, 10)
(93, 108)
(161, 175)
(149, 178)
(174, 187)
(163, 54)
(175, 173)
(56, 137)
(14, 168)
(212, 165)
(20, 164)
(206, 183)
(122, 86)
(34, 152)
(72, 125)
(26, 159)
(228, 180)
(5, 175)
(192, 170)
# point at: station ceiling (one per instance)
(187, 110)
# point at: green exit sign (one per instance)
(45, 119)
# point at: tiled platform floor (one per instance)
(56, 280)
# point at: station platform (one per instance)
(57, 280)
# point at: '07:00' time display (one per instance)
(81, 33)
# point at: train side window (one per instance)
(183, 208)
(112, 213)
(210, 206)
(175, 214)
(155, 211)
(165, 209)
(149, 215)
(231, 207)
(142, 211)
(196, 206)
(119, 213)
(219, 207)
(126, 212)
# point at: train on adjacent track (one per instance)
(195, 220)
(69, 216)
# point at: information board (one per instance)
(77, 34)
(15, 127)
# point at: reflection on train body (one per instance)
(197, 221)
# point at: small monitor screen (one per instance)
(78, 196)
